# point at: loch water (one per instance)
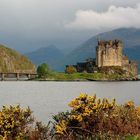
(48, 98)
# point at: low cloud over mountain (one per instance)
(114, 17)
(26, 24)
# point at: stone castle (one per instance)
(109, 54)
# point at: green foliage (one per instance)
(43, 70)
(70, 69)
(86, 76)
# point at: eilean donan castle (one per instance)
(109, 56)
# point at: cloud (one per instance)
(26, 22)
(114, 17)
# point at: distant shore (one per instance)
(78, 77)
(85, 80)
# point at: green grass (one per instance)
(81, 76)
(132, 138)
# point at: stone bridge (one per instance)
(17, 76)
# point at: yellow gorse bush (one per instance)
(96, 117)
(18, 124)
(87, 105)
(13, 121)
(82, 107)
(89, 118)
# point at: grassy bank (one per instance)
(71, 74)
(83, 77)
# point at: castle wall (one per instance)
(111, 58)
(125, 60)
(99, 58)
(131, 68)
(109, 54)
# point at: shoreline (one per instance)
(85, 80)
(72, 80)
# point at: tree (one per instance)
(70, 69)
(43, 70)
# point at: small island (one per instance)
(110, 63)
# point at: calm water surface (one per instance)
(48, 98)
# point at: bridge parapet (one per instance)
(18, 76)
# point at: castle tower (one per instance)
(119, 53)
(99, 51)
(109, 53)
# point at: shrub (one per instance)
(94, 118)
(18, 124)
(40, 132)
(43, 70)
(70, 69)
(89, 118)
(14, 122)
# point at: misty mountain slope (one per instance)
(50, 55)
(57, 60)
(133, 52)
(129, 36)
(82, 52)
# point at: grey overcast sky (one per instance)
(29, 24)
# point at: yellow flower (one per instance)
(130, 103)
(76, 117)
(79, 118)
(74, 103)
(73, 117)
(105, 106)
(88, 111)
(91, 98)
(85, 114)
(82, 96)
(138, 109)
(61, 127)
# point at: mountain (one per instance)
(12, 61)
(57, 60)
(129, 36)
(50, 55)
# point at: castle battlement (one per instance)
(109, 53)
(110, 43)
